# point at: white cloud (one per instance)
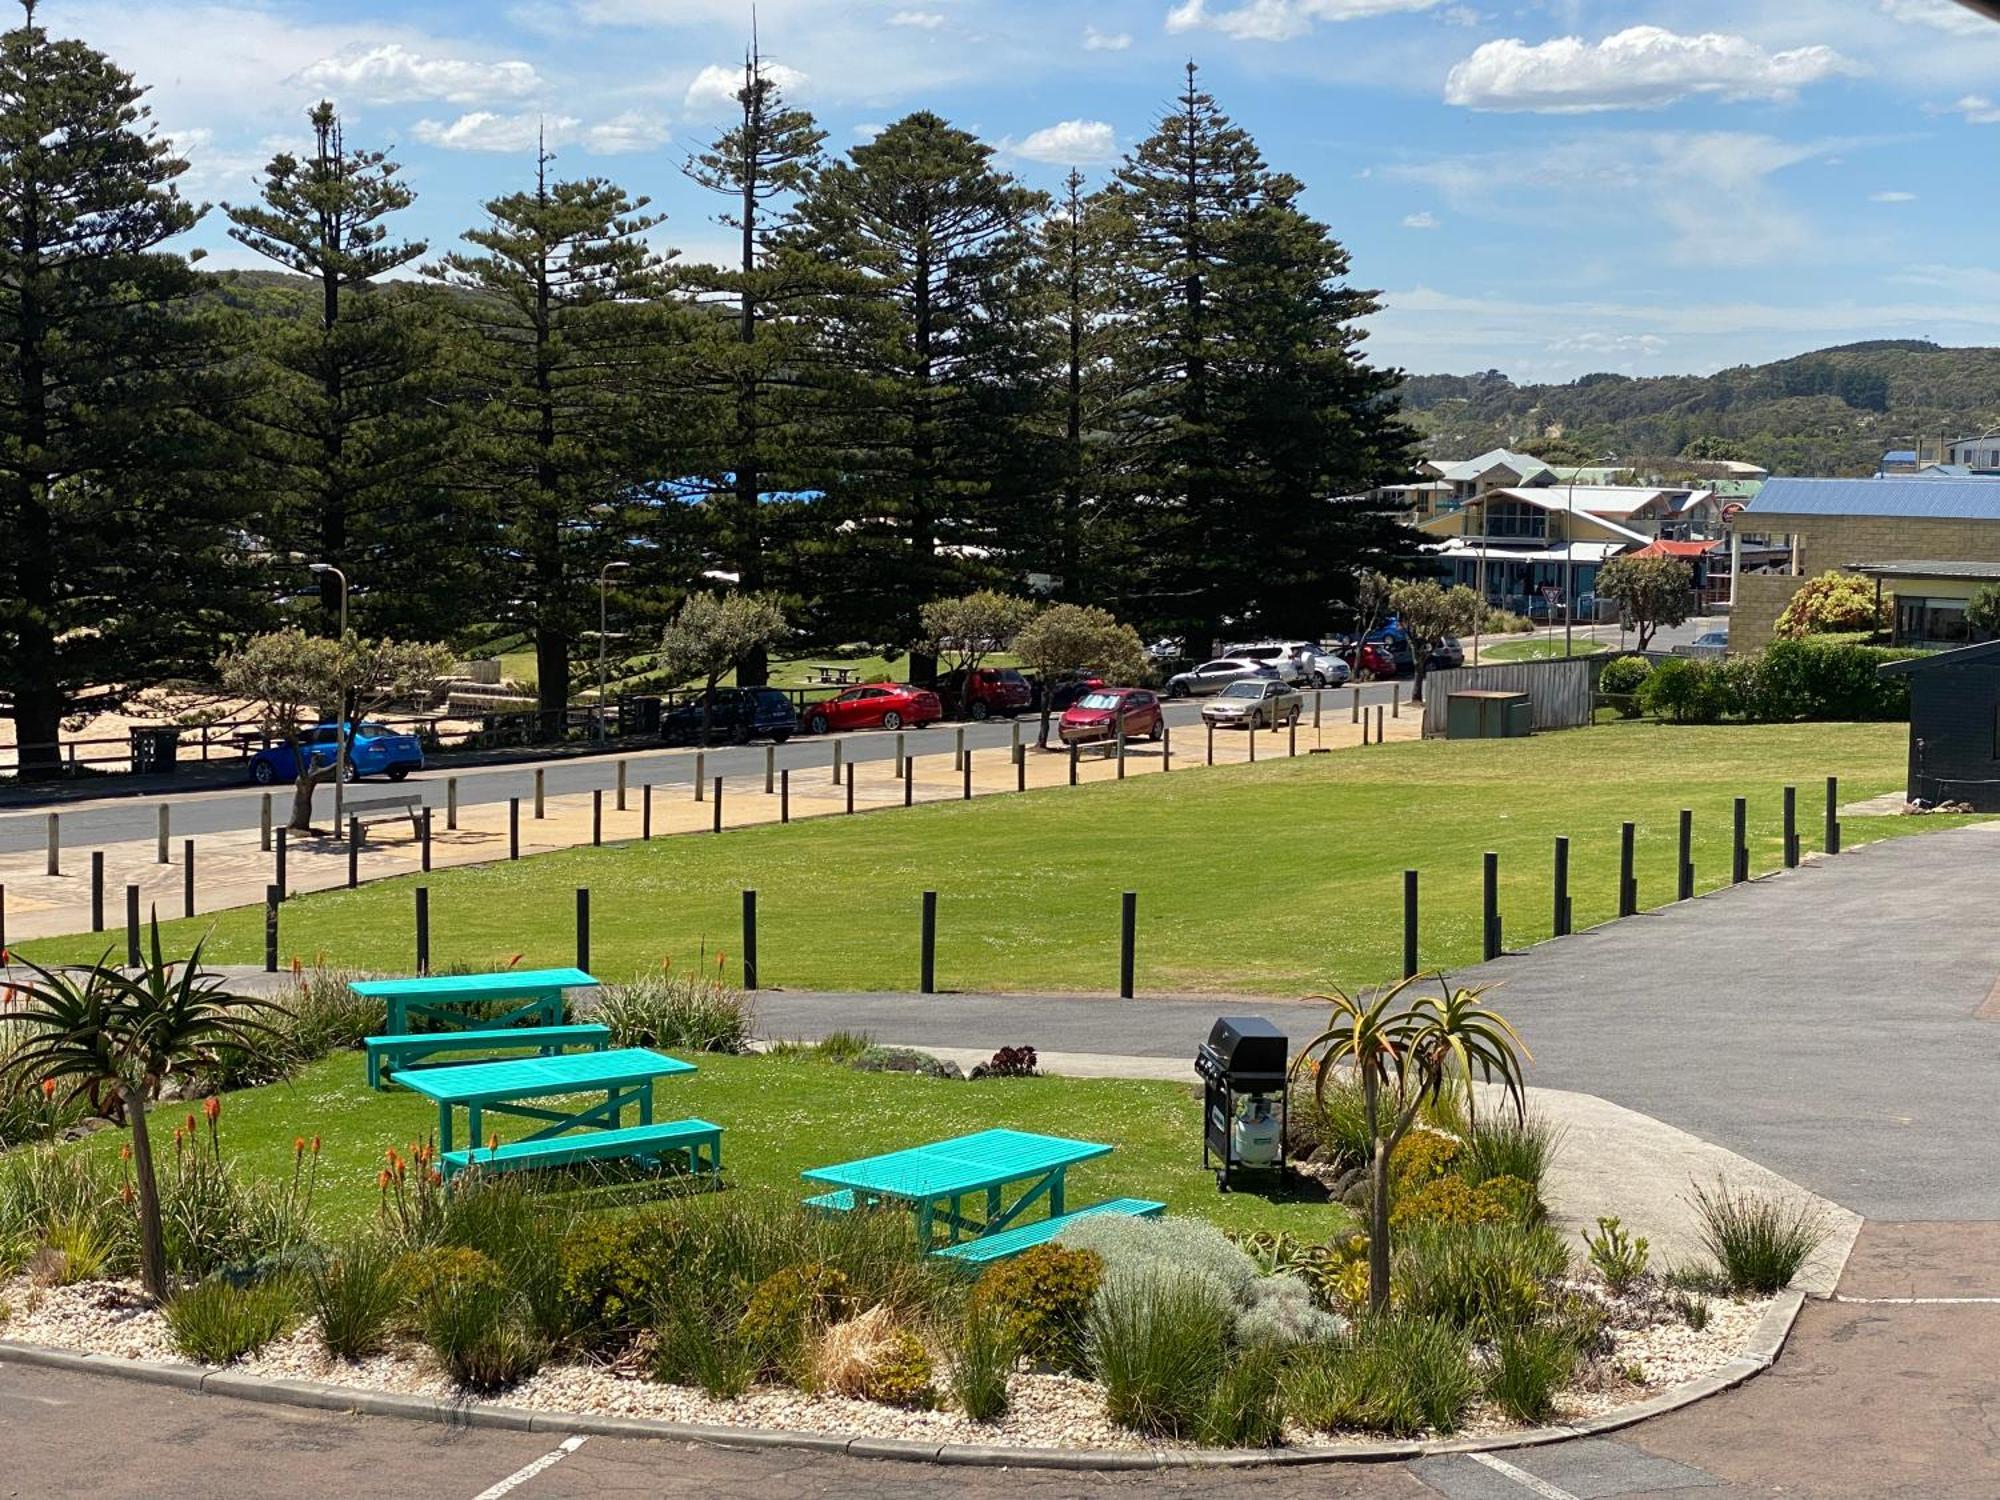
(1892, 196)
(1642, 67)
(393, 74)
(1939, 15)
(634, 130)
(1423, 220)
(868, 130)
(1280, 20)
(923, 20)
(1105, 41)
(1071, 143)
(484, 130)
(715, 87)
(1978, 109)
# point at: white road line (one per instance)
(1521, 1477)
(1920, 1301)
(568, 1446)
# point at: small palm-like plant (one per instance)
(1405, 1052)
(102, 1030)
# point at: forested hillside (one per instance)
(1832, 411)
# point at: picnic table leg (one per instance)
(473, 1137)
(444, 1129)
(645, 1104)
(1056, 1194)
(992, 1208)
(925, 1216)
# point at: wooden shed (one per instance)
(1954, 725)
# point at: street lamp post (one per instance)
(341, 726)
(603, 584)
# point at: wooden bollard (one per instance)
(187, 887)
(902, 762)
(513, 827)
(423, 897)
(270, 929)
(264, 823)
(55, 837)
(850, 788)
(1357, 706)
(424, 832)
(132, 959)
(716, 825)
(353, 852)
(596, 816)
(1561, 925)
(1684, 887)
(958, 748)
(1128, 942)
(645, 811)
(908, 770)
(927, 946)
(163, 836)
(1739, 864)
(97, 890)
(1833, 815)
(583, 928)
(838, 746)
(785, 794)
(1628, 883)
(619, 804)
(1490, 902)
(700, 773)
(1409, 924)
(451, 804)
(770, 769)
(749, 940)
(541, 793)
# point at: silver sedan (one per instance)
(1254, 705)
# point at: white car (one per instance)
(1301, 663)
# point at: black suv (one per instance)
(739, 715)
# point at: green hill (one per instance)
(1833, 411)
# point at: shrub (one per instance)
(1159, 1340)
(1422, 1156)
(1481, 1279)
(834, 1047)
(1396, 1374)
(1516, 1197)
(74, 1248)
(1450, 1202)
(1530, 1364)
(981, 1360)
(1133, 1246)
(694, 1347)
(690, 1012)
(1817, 680)
(1008, 1062)
(1322, 1266)
(1619, 1258)
(904, 1060)
(319, 1015)
(1832, 601)
(1691, 1308)
(1247, 1407)
(1760, 1243)
(1333, 1128)
(1042, 1300)
(786, 1309)
(421, 1274)
(871, 1358)
(1506, 622)
(1282, 1312)
(1509, 1147)
(212, 1221)
(1622, 678)
(612, 1269)
(215, 1321)
(521, 1229)
(1690, 692)
(354, 1298)
(42, 1187)
(479, 1337)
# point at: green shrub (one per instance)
(689, 1012)
(1042, 1300)
(904, 1060)
(1688, 691)
(901, 1374)
(695, 1346)
(1331, 1126)
(613, 1269)
(1760, 1243)
(834, 1047)
(354, 1298)
(1622, 677)
(1395, 1374)
(1420, 1157)
(213, 1221)
(1506, 622)
(1530, 1364)
(1449, 1202)
(215, 1321)
(1691, 1308)
(1819, 680)
(1620, 1259)
(1832, 602)
(786, 1308)
(1281, 1311)
(1505, 1146)
(1482, 1278)
(982, 1358)
(1159, 1343)
(74, 1248)
(1516, 1198)
(1322, 1266)
(1246, 1409)
(1133, 1246)
(478, 1333)
(522, 1229)
(421, 1273)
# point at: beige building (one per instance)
(1915, 534)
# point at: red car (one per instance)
(1095, 716)
(995, 692)
(880, 705)
(1371, 657)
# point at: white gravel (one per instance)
(1045, 1411)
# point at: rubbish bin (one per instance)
(155, 750)
(1243, 1069)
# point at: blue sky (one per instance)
(1545, 188)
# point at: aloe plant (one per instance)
(1405, 1052)
(100, 1029)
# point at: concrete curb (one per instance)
(1765, 1344)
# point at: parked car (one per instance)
(1326, 668)
(1254, 704)
(1709, 643)
(1372, 657)
(1291, 660)
(377, 750)
(1212, 677)
(879, 705)
(1448, 653)
(996, 693)
(738, 715)
(1095, 716)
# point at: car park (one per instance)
(1097, 714)
(376, 750)
(738, 715)
(1254, 704)
(993, 693)
(1211, 677)
(876, 705)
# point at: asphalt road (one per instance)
(112, 819)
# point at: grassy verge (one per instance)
(780, 1117)
(1277, 878)
(1542, 648)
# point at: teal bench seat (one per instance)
(840, 1201)
(691, 1136)
(548, 1041)
(1010, 1242)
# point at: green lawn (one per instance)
(1542, 648)
(778, 1118)
(1277, 878)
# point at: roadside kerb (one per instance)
(1766, 1342)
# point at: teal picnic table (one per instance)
(624, 1075)
(537, 996)
(935, 1180)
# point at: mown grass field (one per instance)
(1542, 648)
(1280, 878)
(779, 1117)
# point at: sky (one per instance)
(1546, 189)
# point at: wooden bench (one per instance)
(385, 809)
(548, 1041)
(1010, 1242)
(644, 1141)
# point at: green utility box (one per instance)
(1484, 715)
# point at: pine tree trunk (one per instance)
(152, 1239)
